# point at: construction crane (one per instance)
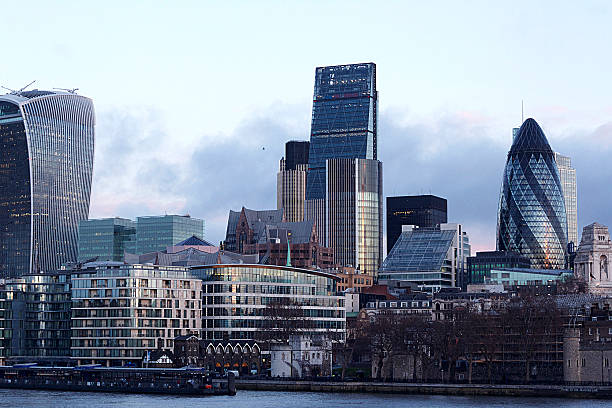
(14, 92)
(72, 91)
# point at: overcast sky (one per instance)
(195, 100)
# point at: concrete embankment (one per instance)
(560, 391)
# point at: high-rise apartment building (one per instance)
(106, 239)
(531, 215)
(291, 181)
(156, 233)
(344, 125)
(424, 211)
(354, 212)
(567, 174)
(46, 161)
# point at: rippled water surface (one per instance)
(264, 399)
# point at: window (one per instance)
(584, 362)
(569, 363)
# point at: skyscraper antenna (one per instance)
(522, 112)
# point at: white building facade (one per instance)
(302, 356)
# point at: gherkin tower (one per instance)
(531, 216)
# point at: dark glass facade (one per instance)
(344, 112)
(479, 266)
(531, 217)
(424, 211)
(46, 160)
(296, 152)
(106, 239)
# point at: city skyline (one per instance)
(433, 115)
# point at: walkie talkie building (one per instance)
(531, 217)
(46, 162)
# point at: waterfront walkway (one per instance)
(561, 391)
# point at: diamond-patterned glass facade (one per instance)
(531, 216)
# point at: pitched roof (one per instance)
(419, 250)
(193, 240)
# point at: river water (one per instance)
(264, 399)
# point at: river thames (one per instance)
(265, 399)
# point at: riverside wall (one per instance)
(557, 391)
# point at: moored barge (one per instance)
(110, 379)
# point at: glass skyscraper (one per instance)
(344, 126)
(567, 174)
(531, 216)
(291, 181)
(344, 113)
(354, 213)
(46, 160)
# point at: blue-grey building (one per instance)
(531, 217)
(106, 239)
(431, 258)
(344, 113)
(156, 233)
(344, 126)
(46, 160)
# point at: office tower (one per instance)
(479, 266)
(291, 181)
(106, 239)
(354, 212)
(296, 153)
(431, 258)
(46, 159)
(531, 215)
(156, 233)
(567, 175)
(425, 211)
(344, 125)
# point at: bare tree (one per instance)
(488, 328)
(531, 323)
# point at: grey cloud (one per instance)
(454, 156)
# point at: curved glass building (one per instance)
(46, 161)
(531, 216)
(235, 296)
